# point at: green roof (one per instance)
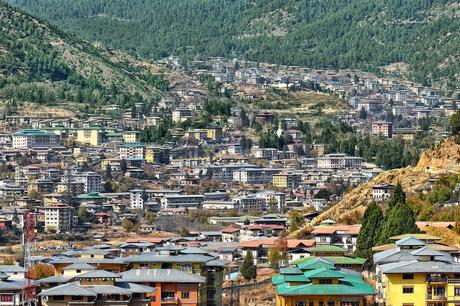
(315, 264)
(348, 283)
(345, 260)
(328, 248)
(91, 195)
(324, 273)
(296, 278)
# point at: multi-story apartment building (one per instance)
(286, 180)
(413, 273)
(382, 128)
(181, 201)
(181, 114)
(131, 136)
(35, 138)
(255, 175)
(338, 161)
(132, 150)
(93, 136)
(91, 180)
(58, 218)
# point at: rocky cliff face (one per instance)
(442, 159)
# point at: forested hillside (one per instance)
(39, 63)
(422, 35)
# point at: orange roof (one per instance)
(230, 230)
(295, 243)
(330, 229)
(257, 243)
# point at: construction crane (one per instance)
(29, 291)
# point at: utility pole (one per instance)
(29, 291)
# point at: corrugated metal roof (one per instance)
(161, 275)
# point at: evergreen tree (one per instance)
(369, 234)
(399, 220)
(398, 196)
(248, 269)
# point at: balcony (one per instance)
(436, 297)
(453, 280)
(436, 279)
(169, 301)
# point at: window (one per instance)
(77, 298)
(408, 276)
(408, 289)
(6, 298)
(300, 303)
(457, 291)
(78, 271)
(58, 298)
(185, 295)
(325, 281)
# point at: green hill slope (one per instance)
(364, 34)
(40, 63)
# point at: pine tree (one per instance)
(398, 196)
(399, 220)
(370, 231)
(248, 269)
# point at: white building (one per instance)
(182, 201)
(254, 175)
(35, 138)
(382, 192)
(338, 161)
(91, 180)
(132, 150)
(58, 218)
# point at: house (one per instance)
(230, 234)
(320, 283)
(382, 192)
(414, 273)
(344, 236)
(172, 286)
(100, 288)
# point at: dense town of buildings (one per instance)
(101, 175)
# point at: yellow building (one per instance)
(91, 136)
(131, 136)
(417, 275)
(214, 133)
(285, 180)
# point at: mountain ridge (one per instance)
(328, 34)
